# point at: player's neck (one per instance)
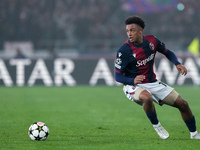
(139, 41)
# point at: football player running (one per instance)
(134, 69)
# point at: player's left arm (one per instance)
(171, 56)
(181, 69)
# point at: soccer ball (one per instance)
(38, 131)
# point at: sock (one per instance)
(191, 124)
(153, 117)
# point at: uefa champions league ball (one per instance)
(38, 131)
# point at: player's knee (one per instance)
(182, 105)
(146, 98)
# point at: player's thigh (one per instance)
(145, 96)
(140, 95)
(133, 93)
(171, 98)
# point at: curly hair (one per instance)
(136, 20)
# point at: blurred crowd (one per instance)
(179, 27)
(91, 21)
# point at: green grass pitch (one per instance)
(90, 118)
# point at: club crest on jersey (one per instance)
(151, 46)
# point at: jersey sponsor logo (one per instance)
(145, 61)
(151, 46)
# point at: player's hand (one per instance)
(139, 79)
(181, 69)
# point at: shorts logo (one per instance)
(151, 46)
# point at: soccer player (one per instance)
(134, 69)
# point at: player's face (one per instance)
(134, 33)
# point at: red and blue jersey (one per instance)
(133, 60)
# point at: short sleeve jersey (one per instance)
(133, 60)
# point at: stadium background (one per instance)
(73, 42)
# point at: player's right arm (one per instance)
(129, 81)
(120, 77)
